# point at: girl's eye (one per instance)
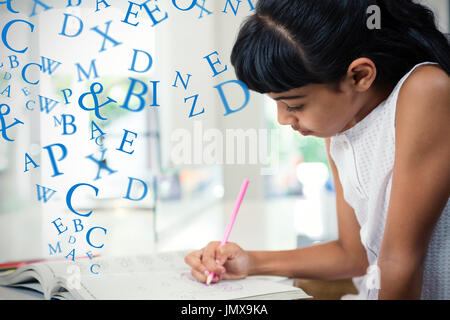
(293, 109)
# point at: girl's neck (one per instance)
(371, 100)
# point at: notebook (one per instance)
(162, 276)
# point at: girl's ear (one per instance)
(361, 73)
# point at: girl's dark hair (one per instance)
(287, 44)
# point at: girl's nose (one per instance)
(285, 118)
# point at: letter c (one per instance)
(69, 200)
(95, 264)
(25, 69)
(27, 104)
(88, 237)
(5, 33)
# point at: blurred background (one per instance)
(186, 205)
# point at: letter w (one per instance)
(47, 104)
(44, 193)
(49, 66)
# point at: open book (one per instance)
(162, 276)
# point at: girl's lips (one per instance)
(305, 133)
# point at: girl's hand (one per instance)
(228, 262)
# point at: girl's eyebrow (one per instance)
(289, 98)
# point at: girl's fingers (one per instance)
(194, 260)
(203, 276)
(199, 275)
(209, 258)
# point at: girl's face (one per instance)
(317, 109)
(323, 111)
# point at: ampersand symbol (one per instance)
(94, 92)
(4, 127)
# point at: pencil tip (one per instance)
(209, 279)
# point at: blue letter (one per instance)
(25, 69)
(72, 253)
(124, 139)
(54, 250)
(52, 157)
(211, 64)
(224, 99)
(5, 33)
(75, 225)
(88, 237)
(80, 26)
(235, 10)
(133, 13)
(59, 225)
(13, 61)
(50, 65)
(150, 13)
(65, 96)
(28, 103)
(202, 8)
(178, 76)
(105, 36)
(101, 164)
(44, 193)
(7, 90)
(74, 240)
(155, 94)
(97, 128)
(8, 6)
(28, 160)
(104, 2)
(95, 264)
(87, 75)
(193, 105)
(194, 2)
(69, 198)
(129, 189)
(73, 5)
(149, 61)
(47, 104)
(46, 7)
(138, 95)
(71, 123)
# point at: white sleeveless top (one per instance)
(364, 157)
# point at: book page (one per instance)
(175, 284)
(156, 276)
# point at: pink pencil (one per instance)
(230, 222)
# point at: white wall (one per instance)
(442, 10)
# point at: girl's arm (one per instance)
(343, 258)
(420, 184)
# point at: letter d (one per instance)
(129, 190)
(224, 99)
(71, 26)
(133, 63)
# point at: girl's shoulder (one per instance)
(424, 80)
(427, 76)
(424, 98)
(423, 112)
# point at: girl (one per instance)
(381, 99)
